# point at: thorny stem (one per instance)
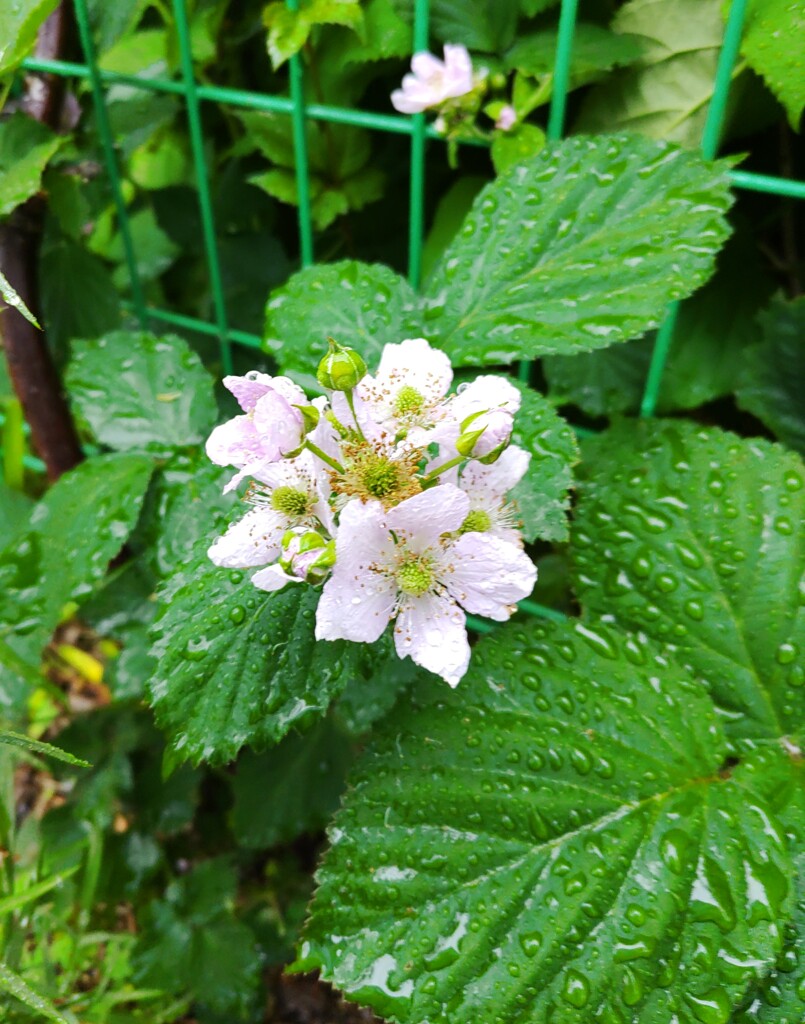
(324, 456)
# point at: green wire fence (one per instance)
(295, 106)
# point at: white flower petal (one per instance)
(248, 389)
(421, 520)
(484, 393)
(272, 578)
(458, 77)
(431, 631)
(253, 540)
(235, 443)
(358, 599)
(402, 102)
(280, 426)
(487, 576)
(493, 482)
(425, 65)
(415, 363)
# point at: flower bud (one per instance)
(484, 435)
(341, 369)
(307, 556)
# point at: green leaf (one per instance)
(714, 328)
(154, 249)
(772, 377)
(666, 93)
(481, 25)
(19, 23)
(16, 739)
(362, 305)
(26, 146)
(778, 775)
(184, 505)
(515, 146)
(237, 666)
(773, 40)
(595, 50)
(15, 508)
(192, 941)
(553, 841)
(543, 495)
(288, 30)
(694, 537)
(582, 246)
(447, 219)
(11, 298)
(601, 383)
(18, 988)
(304, 776)
(73, 533)
(140, 391)
(123, 610)
(79, 298)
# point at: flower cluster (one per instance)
(391, 494)
(455, 91)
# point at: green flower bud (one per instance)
(341, 369)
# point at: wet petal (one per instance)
(421, 520)
(431, 631)
(487, 576)
(253, 540)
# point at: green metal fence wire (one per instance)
(196, 93)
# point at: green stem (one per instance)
(351, 403)
(13, 444)
(443, 469)
(324, 456)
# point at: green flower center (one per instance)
(415, 576)
(290, 502)
(477, 521)
(380, 477)
(408, 400)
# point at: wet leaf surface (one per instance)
(137, 390)
(580, 247)
(555, 840)
(695, 537)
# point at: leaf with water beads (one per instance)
(556, 840)
(237, 666)
(580, 247)
(695, 537)
(361, 305)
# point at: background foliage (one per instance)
(606, 820)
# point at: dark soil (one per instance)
(303, 999)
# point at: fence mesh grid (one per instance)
(295, 106)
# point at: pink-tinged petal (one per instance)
(272, 578)
(425, 65)
(487, 576)
(458, 76)
(358, 599)
(493, 482)
(404, 104)
(421, 520)
(280, 427)
(235, 443)
(249, 389)
(431, 631)
(490, 392)
(253, 540)
(291, 392)
(415, 363)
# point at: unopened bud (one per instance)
(341, 369)
(307, 555)
(484, 435)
